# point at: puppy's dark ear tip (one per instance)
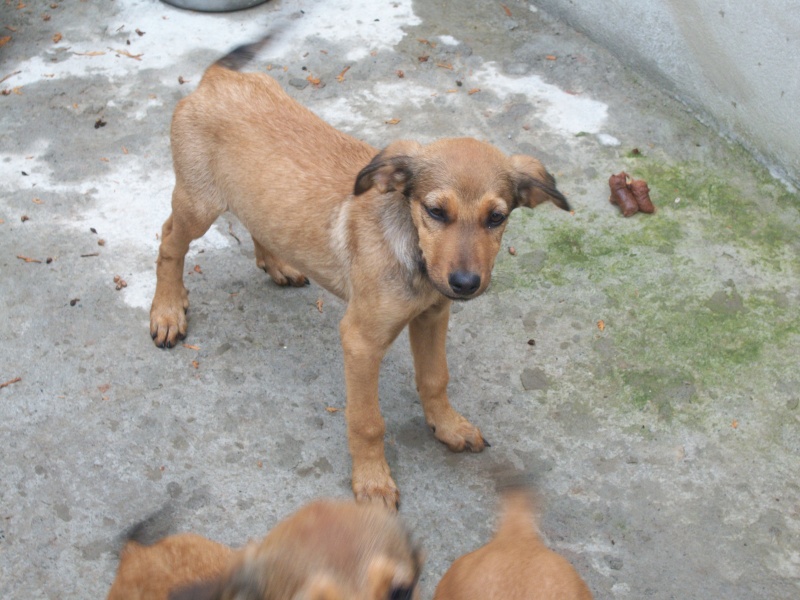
(360, 188)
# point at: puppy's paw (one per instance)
(290, 276)
(375, 486)
(281, 273)
(168, 319)
(458, 434)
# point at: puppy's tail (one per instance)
(519, 512)
(239, 57)
(520, 505)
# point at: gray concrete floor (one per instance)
(665, 444)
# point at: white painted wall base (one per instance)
(736, 64)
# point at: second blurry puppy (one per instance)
(325, 551)
(515, 564)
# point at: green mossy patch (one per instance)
(754, 214)
(678, 323)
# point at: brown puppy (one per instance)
(515, 565)
(397, 234)
(168, 565)
(325, 551)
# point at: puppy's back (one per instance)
(152, 572)
(515, 564)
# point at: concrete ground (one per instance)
(642, 371)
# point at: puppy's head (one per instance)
(325, 551)
(460, 193)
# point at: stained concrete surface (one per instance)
(642, 371)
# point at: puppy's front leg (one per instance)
(365, 340)
(428, 335)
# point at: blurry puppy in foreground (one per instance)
(515, 564)
(325, 551)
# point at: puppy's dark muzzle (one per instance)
(464, 283)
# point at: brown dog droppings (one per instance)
(24, 218)
(621, 195)
(74, 301)
(121, 283)
(641, 193)
(99, 123)
(531, 342)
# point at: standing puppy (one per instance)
(397, 234)
(515, 565)
(325, 551)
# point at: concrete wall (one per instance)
(736, 64)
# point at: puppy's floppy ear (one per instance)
(533, 184)
(391, 170)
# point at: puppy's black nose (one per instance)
(464, 283)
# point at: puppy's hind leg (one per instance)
(280, 272)
(189, 221)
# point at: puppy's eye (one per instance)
(496, 218)
(436, 213)
(401, 593)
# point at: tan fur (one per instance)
(325, 551)
(152, 572)
(324, 205)
(515, 565)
